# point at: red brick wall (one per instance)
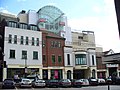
(48, 51)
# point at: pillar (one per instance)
(40, 72)
(49, 74)
(4, 73)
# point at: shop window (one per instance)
(12, 53)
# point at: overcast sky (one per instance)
(93, 15)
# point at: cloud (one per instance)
(105, 27)
(6, 11)
(97, 9)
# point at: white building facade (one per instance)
(22, 49)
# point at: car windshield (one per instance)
(26, 81)
(40, 81)
(65, 80)
(53, 81)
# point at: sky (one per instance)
(91, 15)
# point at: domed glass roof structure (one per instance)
(50, 18)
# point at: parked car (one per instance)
(101, 81)
(117, 80)
(93, 81)
(108, 81)
(8, 83)
(85, 82)
(32, 77)
(25, 83)
(52, 83)
(38, 83)
(76, 83)
(64, 83)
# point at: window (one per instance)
(21, 40)
(80, 59)
(12, 53)
(10, 38)
(33, 28)
(93, 62)
(53, 59)
(15, 39)
(35, 55)
(37, 42)
(24, 54)
(55, 44)
(68, 59)
(43, 43)
(44, 59)
(23, 26)
(59, 44)
(33, 41)
(27, 40)
(12, 24)
(80, 37)
(59, 59)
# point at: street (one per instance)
(112, 87)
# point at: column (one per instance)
(107, 72)
(117, 72)
(49, 74)
(63, 73)
(4, 73)
(40, 72)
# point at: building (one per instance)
(53, 55)
(111, 60)
(101, 68)
(84, 56)
(22, 49)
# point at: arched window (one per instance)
(68, 74)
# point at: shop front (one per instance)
(20, 72)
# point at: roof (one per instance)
(51, 34)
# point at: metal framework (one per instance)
(51, 18)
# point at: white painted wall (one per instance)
(68, 50)
(32, 17)
(18, 47)
(90, 53)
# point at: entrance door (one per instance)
(113, 71)
(68, 74)
(78, 74)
